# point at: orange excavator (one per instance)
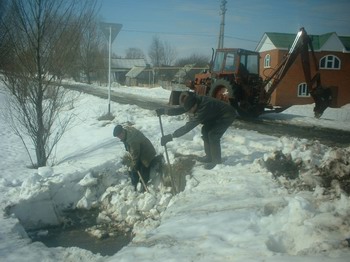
(233, 76)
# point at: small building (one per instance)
(121, 66)
(333, 55)
(138, 76)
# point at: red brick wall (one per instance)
(286, 93)
(338, 78)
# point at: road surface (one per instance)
(327, 136)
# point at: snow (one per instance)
(236, 212)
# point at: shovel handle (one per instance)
(161, 125)
(142, 181)
(174, 189)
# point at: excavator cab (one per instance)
(235, 79)
(235, 62)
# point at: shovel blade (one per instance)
(323, 99)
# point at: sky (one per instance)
(192, 26)
(234, 212)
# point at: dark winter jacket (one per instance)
(139, 146)
(209, 112)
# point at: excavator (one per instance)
(233, 77)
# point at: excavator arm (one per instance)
(302, 43)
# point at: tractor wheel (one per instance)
(222, 90)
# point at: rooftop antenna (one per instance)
(222, 25)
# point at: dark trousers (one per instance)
(211, 134)
(144, 171)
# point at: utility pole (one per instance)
(222, 25)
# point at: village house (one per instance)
(130, 72)
(333, 56)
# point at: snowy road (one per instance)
(265, 124)
(327, 136)
(131, 99)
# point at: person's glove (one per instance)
(160, 111)
(165, 139)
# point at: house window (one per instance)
(267, 61)
(303, 91)
(330, 62)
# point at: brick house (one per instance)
(333, 55)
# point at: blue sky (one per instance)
(192, 26)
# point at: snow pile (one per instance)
(315, 166)
(139, 211)
(239, 211)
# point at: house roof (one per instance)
(123, 63)
(135, 71)
(346, 42)
(281, 40)
(271, 40)
(319, 40)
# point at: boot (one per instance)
(207, 157)
(209, 166)
(215, 150)
(204, 159)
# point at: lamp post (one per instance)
(110, 31)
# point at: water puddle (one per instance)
(81, 231)
(79, 238)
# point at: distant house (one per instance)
(333, 56)
(138, 76)
(121, 66)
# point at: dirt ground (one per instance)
(333, 174)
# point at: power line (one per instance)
(186, 34)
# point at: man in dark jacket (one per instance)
(215, 116)
(142, 152)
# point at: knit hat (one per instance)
(190, 101)
(117, 130)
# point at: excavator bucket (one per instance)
(323, 98)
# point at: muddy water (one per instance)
(75, 233)
(57, 237)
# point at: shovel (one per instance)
(143, 181)
(173, 185)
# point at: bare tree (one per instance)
(92, 53)
(197, 60)
(134, 53)
(156, 52)
(41, 39)
(170, 54)
(161, 55)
